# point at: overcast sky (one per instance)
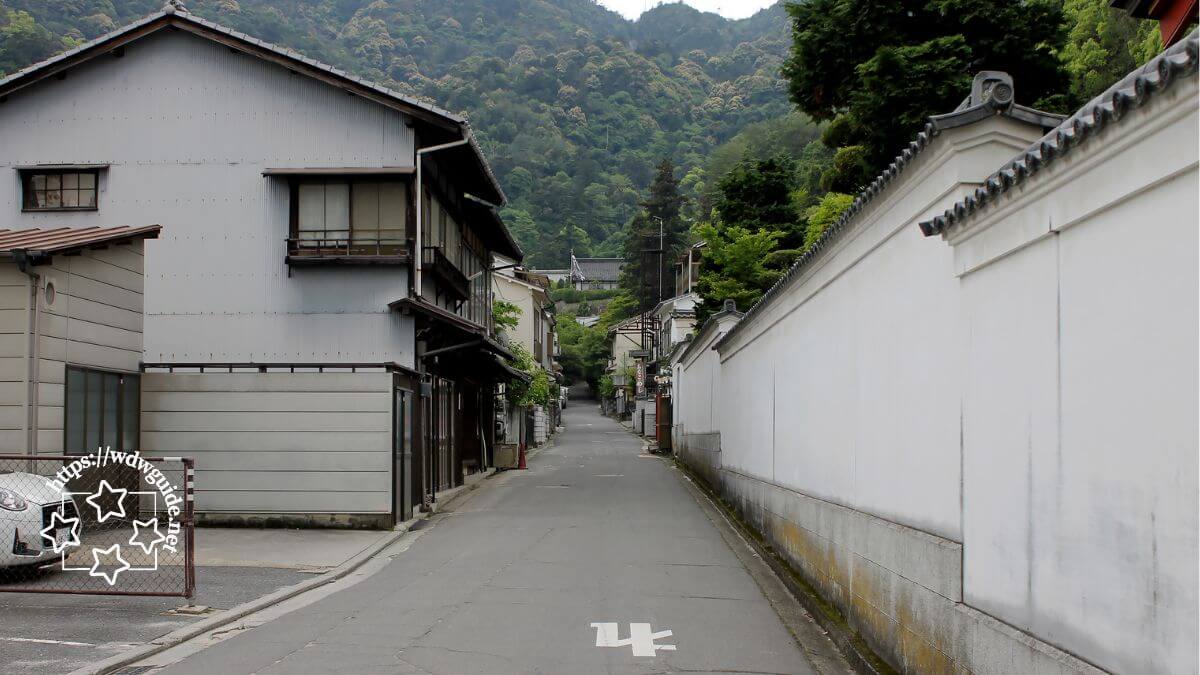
(734, 9)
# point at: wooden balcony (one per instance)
(454, 282)
(343, 247)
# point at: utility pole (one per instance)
(661, 253)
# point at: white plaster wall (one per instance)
(1048, 349)
(1080, 410)
(511, 290)
(695, 388)
(188, 127)
(846, 386)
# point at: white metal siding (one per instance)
(275, 443)
(188, 127)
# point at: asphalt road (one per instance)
(529, 573)
(48, 634)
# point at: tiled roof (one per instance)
(67, 239)
(601, 269)
(981, 104)
(174, 14)
(1107, 109)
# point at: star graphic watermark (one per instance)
(57, 522)
(103, 513)
(109, 576)
(152, 526)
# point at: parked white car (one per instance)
(35, 519)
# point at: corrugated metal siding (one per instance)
(14, 319)
(95, 321)
(187, 128)
(277, 442)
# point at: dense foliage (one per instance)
(1103, 45)
(598, 126)
(24, 41)
(574, 105)
(877, 70)
(655, 237)
(539, 389)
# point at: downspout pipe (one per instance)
(32, 351)
(419, 254)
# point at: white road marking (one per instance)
(47, 642)
(641, 638)
(610, 475)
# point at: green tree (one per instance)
(1103, 45)
(823, 214)
(757, 195)
(584, 351)
(880, 68)
(534, 391)
(733, 267)
(660, 224)
(505, 315)
(24, 41)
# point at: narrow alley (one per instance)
(599, 559)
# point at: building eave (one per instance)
(39, 244)
(173, 17)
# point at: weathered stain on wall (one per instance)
(983, 451)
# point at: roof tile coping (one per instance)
(968, 112)
(1129, 93)
(729, 309)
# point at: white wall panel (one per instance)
(188, 127)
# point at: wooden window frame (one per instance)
(295, 182)
(27, 190)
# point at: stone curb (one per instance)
(193, 630)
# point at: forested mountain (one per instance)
(574, 104)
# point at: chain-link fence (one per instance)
(107, 523)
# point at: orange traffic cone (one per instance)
(521, 466)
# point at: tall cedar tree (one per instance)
(644, 266)
(879, 68)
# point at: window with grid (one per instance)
(358, 214)
(48, 190)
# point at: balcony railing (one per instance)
(384, 247)
(453, 280)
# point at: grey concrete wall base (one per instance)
(899, 589)
(177, 637)
(303, 521)
(850, 644)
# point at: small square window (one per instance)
(59, 190)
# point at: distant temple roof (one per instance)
(596, 269)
